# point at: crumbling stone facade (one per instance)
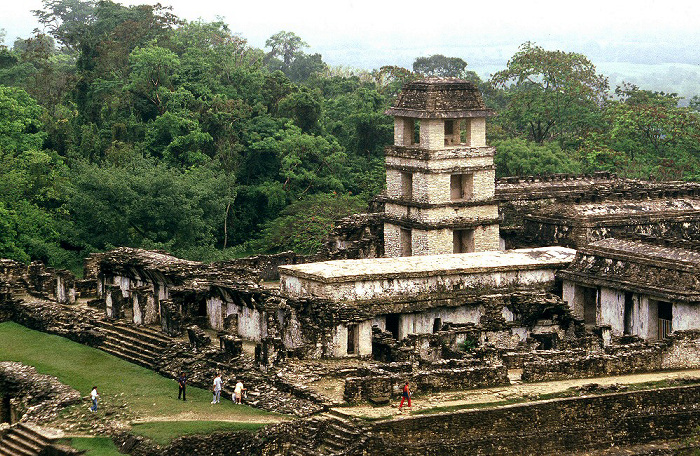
(440, 188)
(635, 287)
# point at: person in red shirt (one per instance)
(405, 395)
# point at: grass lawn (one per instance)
(165, 431)
(97, 446)
(144, 393)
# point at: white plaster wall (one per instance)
(100, 286)
(422, 323)
(251, 325)
(652, 319)
(572, 294)
(640, 316)
(152, 311)
(685, 316)
(612, 309)
(124, 284)
(365, 338)
(60, 290)
(109, 311)
(339, 344)
(138, 317)
(214, 313)
(380, 322)
(163, 292)
(369, 289)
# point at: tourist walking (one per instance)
(405, 395)
(217, 389)
(94, 395)
(238, 392)
(182, 384)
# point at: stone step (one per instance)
(136, 349)
(144, 334)
(345, 427)
(15, 449)
(156, 334)
(113, 346)
(120, 354)
(132, 340)
(21, 441)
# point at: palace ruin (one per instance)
(457, 281)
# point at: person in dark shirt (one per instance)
(182, 383)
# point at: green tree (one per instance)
(285, 45)
(647, 136)
(518, 157)
(151, 77)
(20, 124)
(440, 66)
(551, 94)
(306, 223)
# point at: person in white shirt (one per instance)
(94, 395)
(217, 389)
(238, 392)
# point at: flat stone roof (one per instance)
(645, 250)
(621, 208)
(431, 265)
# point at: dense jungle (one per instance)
(128, 126)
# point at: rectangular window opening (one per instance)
(406, 185)
(353, 339)
(463, 241)
(461, 186)
(665, 312)
(406, 247)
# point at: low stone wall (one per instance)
(558, 426)
(34, 397)
(634, 360)
(378, 388)
(275, 439)
(75, 323)
(681, 350)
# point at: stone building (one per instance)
(439, 172)
(641, 288)
(414, 296)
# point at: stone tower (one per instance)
(440, 175)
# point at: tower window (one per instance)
(461, 186)
(463, 241)
(406, 185)
(406, 248)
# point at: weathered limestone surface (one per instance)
(34, 397)
(559, 426)
(681, 350)
(378, 388)
(401, 277)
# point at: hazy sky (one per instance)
(642, 38)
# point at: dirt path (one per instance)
(197, 416)
(514, 391)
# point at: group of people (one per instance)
(237, 396)
(238, 392)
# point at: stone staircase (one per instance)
(339, 433)
(137, 344)
(25, 439)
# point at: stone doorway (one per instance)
(392, 324)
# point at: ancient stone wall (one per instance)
(681, 350)
(34, 397)
(558, 426)
(378, 388)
